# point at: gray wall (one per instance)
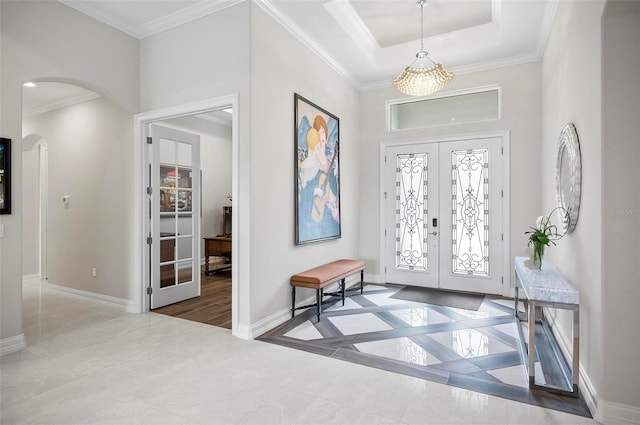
(89, 161)
(282, 66)
(590, 78)
(621, 200)
(40, 42)
(571, 93)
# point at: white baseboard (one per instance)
(35, 276)
(585, 386)
(270, 322)
(281, 316)
(243, 332)
(105, 300)
(605, 412)
(373, 278)
(12, 344)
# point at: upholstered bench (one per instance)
(321, 276)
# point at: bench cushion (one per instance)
(326, 274)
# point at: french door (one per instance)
(443, 215)
(174, 202)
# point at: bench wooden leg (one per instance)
(293, 301)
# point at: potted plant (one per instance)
(542, 235)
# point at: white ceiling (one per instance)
(367, 41)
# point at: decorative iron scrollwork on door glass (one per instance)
(411, 211)
(470, 212)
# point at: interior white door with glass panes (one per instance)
(444, 215)
(174, 198)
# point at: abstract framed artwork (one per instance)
(317, 173)
(5, 176)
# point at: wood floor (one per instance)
(212, 307)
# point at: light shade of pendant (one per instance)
(423, 76)
(422, 81)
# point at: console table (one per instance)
(548, 288)
(218, 246)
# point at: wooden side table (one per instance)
(219, 246)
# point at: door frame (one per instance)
(43, 195)
(505, 135)
(239, 293)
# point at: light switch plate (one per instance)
(1, 230)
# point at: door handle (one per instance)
(434, 233)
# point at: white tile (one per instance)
(349, 304)
(514, 375)
(510, 329)
(402, 349)
(305, 331)
(359, 323)
(383, 299)
(469, 343)
(371, 287)
(421, 316)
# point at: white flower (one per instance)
(542, 222)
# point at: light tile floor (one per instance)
(88, 364)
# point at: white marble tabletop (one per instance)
(546, 285)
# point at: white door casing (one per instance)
(455, 219)
(175, 215)
(43, 165)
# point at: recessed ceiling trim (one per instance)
(347, 17)
(63, 103)
(304, 39)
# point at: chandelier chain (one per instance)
(422, 4)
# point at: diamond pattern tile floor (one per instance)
(473, 350)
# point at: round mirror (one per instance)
(569, 176)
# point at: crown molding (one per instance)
(305, 39)
(547, 23)
(60, 104)
(198, 10)
(85, 7)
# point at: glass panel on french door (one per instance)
(470, 225)
(411, 211)
(411, 194)
(471, 218)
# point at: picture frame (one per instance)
(317, 173)
(5, 176)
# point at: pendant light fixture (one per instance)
(423, 76)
